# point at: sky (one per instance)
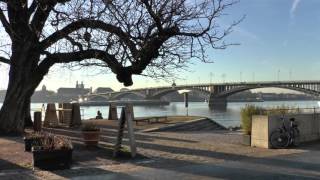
(279, 40)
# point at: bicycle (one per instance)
(284, 137)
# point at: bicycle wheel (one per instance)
(279, 139)
(296, 137)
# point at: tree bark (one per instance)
(27, 121)
(15, 110)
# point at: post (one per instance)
(37, 121)
(113, 114)
(129, 118)
(76, 116)
(51, 118)
(126, 116)
(186, 101)
(122, 120)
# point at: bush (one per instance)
(34, 135)
(249, 110)
(51, 142)
(246, 117)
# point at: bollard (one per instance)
(76, 116)
(37, 121)
(113, 115)
(51, 118)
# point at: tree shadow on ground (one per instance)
(113, 133)
(219, 170)
(8, 168)
(270, 161)
(92, 173)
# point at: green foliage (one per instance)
(249, 110)
(246, 117)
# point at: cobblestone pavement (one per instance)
(172, 155)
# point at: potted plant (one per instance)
(52, 153)
(91, 134)
(31, 138)
(246, 122)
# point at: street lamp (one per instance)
(185, 92)
(211, 75)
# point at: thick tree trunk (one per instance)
(16, 106)
(15, 109)
(27, 121)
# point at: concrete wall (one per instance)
(263, 126)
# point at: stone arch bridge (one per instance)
(216, 93)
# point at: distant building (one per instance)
(69, 94)
(124, 89)
(103, 90)
(43, 96)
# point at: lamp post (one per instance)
(185, 93)
(211, 75)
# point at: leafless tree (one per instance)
(128, 37)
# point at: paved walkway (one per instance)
(176, 155)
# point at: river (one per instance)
(230, 117)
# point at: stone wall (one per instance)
(263, 126)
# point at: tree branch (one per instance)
(78, 56)
(85, 23)
(4, 60)
(40, 16)
(32, 7)
(5, 22)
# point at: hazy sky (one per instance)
(278, 37)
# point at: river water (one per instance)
(230, 117)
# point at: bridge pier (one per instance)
(218, 103)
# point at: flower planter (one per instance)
(52, 159)
(28, 142)
(246, 140)
(91, 138)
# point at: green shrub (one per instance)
(249, 110)
(246, 117)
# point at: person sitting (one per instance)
(99, 115)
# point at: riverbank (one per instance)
(124, 102)
(145, 123)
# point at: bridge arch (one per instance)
(164, 92)
(97, 97)
(125, 93)
(244, 88)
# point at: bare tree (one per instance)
(126, 36)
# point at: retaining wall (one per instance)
(263, 126)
